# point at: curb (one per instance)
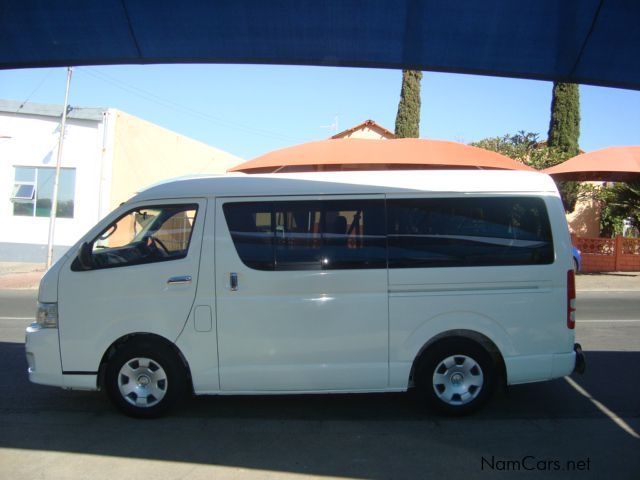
(607, 290)
(21, 281)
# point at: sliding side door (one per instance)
(302, 294)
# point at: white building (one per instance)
(107, 156)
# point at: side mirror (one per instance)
(85, 257)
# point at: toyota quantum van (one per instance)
(451, 282)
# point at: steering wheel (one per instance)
(159, 245)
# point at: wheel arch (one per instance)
(477, 337)
(132, 338)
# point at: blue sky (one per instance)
(249, 110)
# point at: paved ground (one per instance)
(612, 282)
(583, 427)
(20, 275)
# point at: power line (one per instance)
(166, 103)
(45, 78)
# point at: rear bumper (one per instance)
(581, 364)
(536, 368)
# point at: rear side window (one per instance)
(308, 235)
(456, 232)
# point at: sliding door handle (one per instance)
(233, 281)
(179, 280)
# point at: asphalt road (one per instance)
(584, 427)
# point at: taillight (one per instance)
(571, 300)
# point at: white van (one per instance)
(447, 281)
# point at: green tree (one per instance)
(620, 202)
(524, 147)
(564, 125)
(408, 117)
(564, 132)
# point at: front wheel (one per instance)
(145, 379)
(456, 376)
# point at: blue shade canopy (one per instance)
(581, 41)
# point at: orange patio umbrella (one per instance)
(362, 154)
(613, 164)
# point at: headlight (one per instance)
(47, 315)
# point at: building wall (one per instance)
(32, 141)
(145, 153)
(584, 221)
(113, 157)
(367, 132)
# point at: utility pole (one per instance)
(56, 181)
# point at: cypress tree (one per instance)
(564, 126)
(408, 117)
(564, 131)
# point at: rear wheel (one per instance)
(456, 376)
(145, 379)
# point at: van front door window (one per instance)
(142, 235)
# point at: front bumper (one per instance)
(581, 364)
(43, 359)
(43, 355)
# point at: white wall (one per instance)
(114, 157)
(33, 142)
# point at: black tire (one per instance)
(464, 386)
(158, 373)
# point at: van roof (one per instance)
(340, 183)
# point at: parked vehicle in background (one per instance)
(446, 281)
(577, 258)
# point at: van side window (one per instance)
(252, 226)
(298, 239)
(308, 235)
(143, 235)
(480, 231)
(353, 234)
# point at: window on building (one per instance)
(23, 192)
(33, 191)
